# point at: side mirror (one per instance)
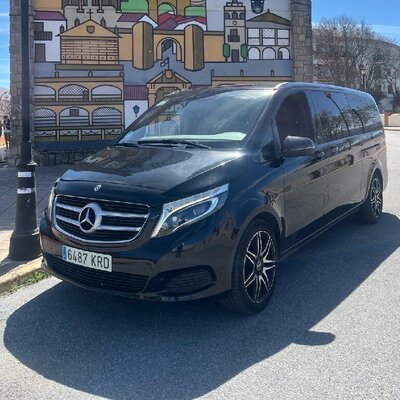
(295, 146)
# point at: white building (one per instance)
(48, 25)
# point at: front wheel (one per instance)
(371, 210)
(254, 270)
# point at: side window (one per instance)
(365, 114)
(294, 117)
(330, 118)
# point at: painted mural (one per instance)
(99, 64)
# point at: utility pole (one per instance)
(24, 242)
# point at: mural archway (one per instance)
(107, 116)
(74, 116)
(45, 118)
(168, 46)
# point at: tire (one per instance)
(254, 270)
(371, 211)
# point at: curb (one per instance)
(19, 275)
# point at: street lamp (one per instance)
(24, 242)
(363, 75)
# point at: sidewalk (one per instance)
(45, 177)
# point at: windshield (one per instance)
(216, 119)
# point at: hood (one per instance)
(154, 174)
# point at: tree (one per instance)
(342, 46)
(5, 107)
(391, 74)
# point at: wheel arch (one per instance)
(271, 218)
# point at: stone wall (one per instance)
(16, 78)
(302, 40)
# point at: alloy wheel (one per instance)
(259, 267)
(376, 197)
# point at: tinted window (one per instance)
(294, 118)
(330, 119)
(365, 114)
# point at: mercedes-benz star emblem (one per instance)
(97, 188)
(90, 218)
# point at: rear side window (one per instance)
(331, 115)
(294, 117)
(365, 114)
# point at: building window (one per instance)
(269, 54)
(234, 15)
(283, 54)
(74, 117)
(254, 53)
(107, 116)
(45, 118)
(254, 37)
(234, 36)
(73, 93)
(74, 112)
(38, 26)
(268, 37)
(283, 37)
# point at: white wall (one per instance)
(129, 114)
(53, 46)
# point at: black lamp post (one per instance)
(363, 75)
(24, 242)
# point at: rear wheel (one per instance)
(371, 210)
(254, 270)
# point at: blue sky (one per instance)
(383, 16)
(4, 40)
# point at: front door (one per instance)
(304, 177)
(235, 56)
(40, 52)
(333, 121)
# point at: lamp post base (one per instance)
(24, 247)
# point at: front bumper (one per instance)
(192, 263)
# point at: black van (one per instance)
(210, 188)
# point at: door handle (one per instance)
(347, 146)
(334, 149)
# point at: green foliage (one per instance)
(194, 11)
(243, 51)
(135, 6)
(226, 50)
(165, 8)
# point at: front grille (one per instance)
(116, 281)
(119, 222)
(190, 282)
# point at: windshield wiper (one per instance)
(133, 144)
(191, 143)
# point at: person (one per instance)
(6, 130)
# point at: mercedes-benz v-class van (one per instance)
(210, 188)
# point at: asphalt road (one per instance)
(331, 331)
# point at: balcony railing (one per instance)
(77, 100)
(41, 35)
(233, 38)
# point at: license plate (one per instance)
(87, 259)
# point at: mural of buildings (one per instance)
(99, 64)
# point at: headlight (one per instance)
(51, 200)
(183, 212)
